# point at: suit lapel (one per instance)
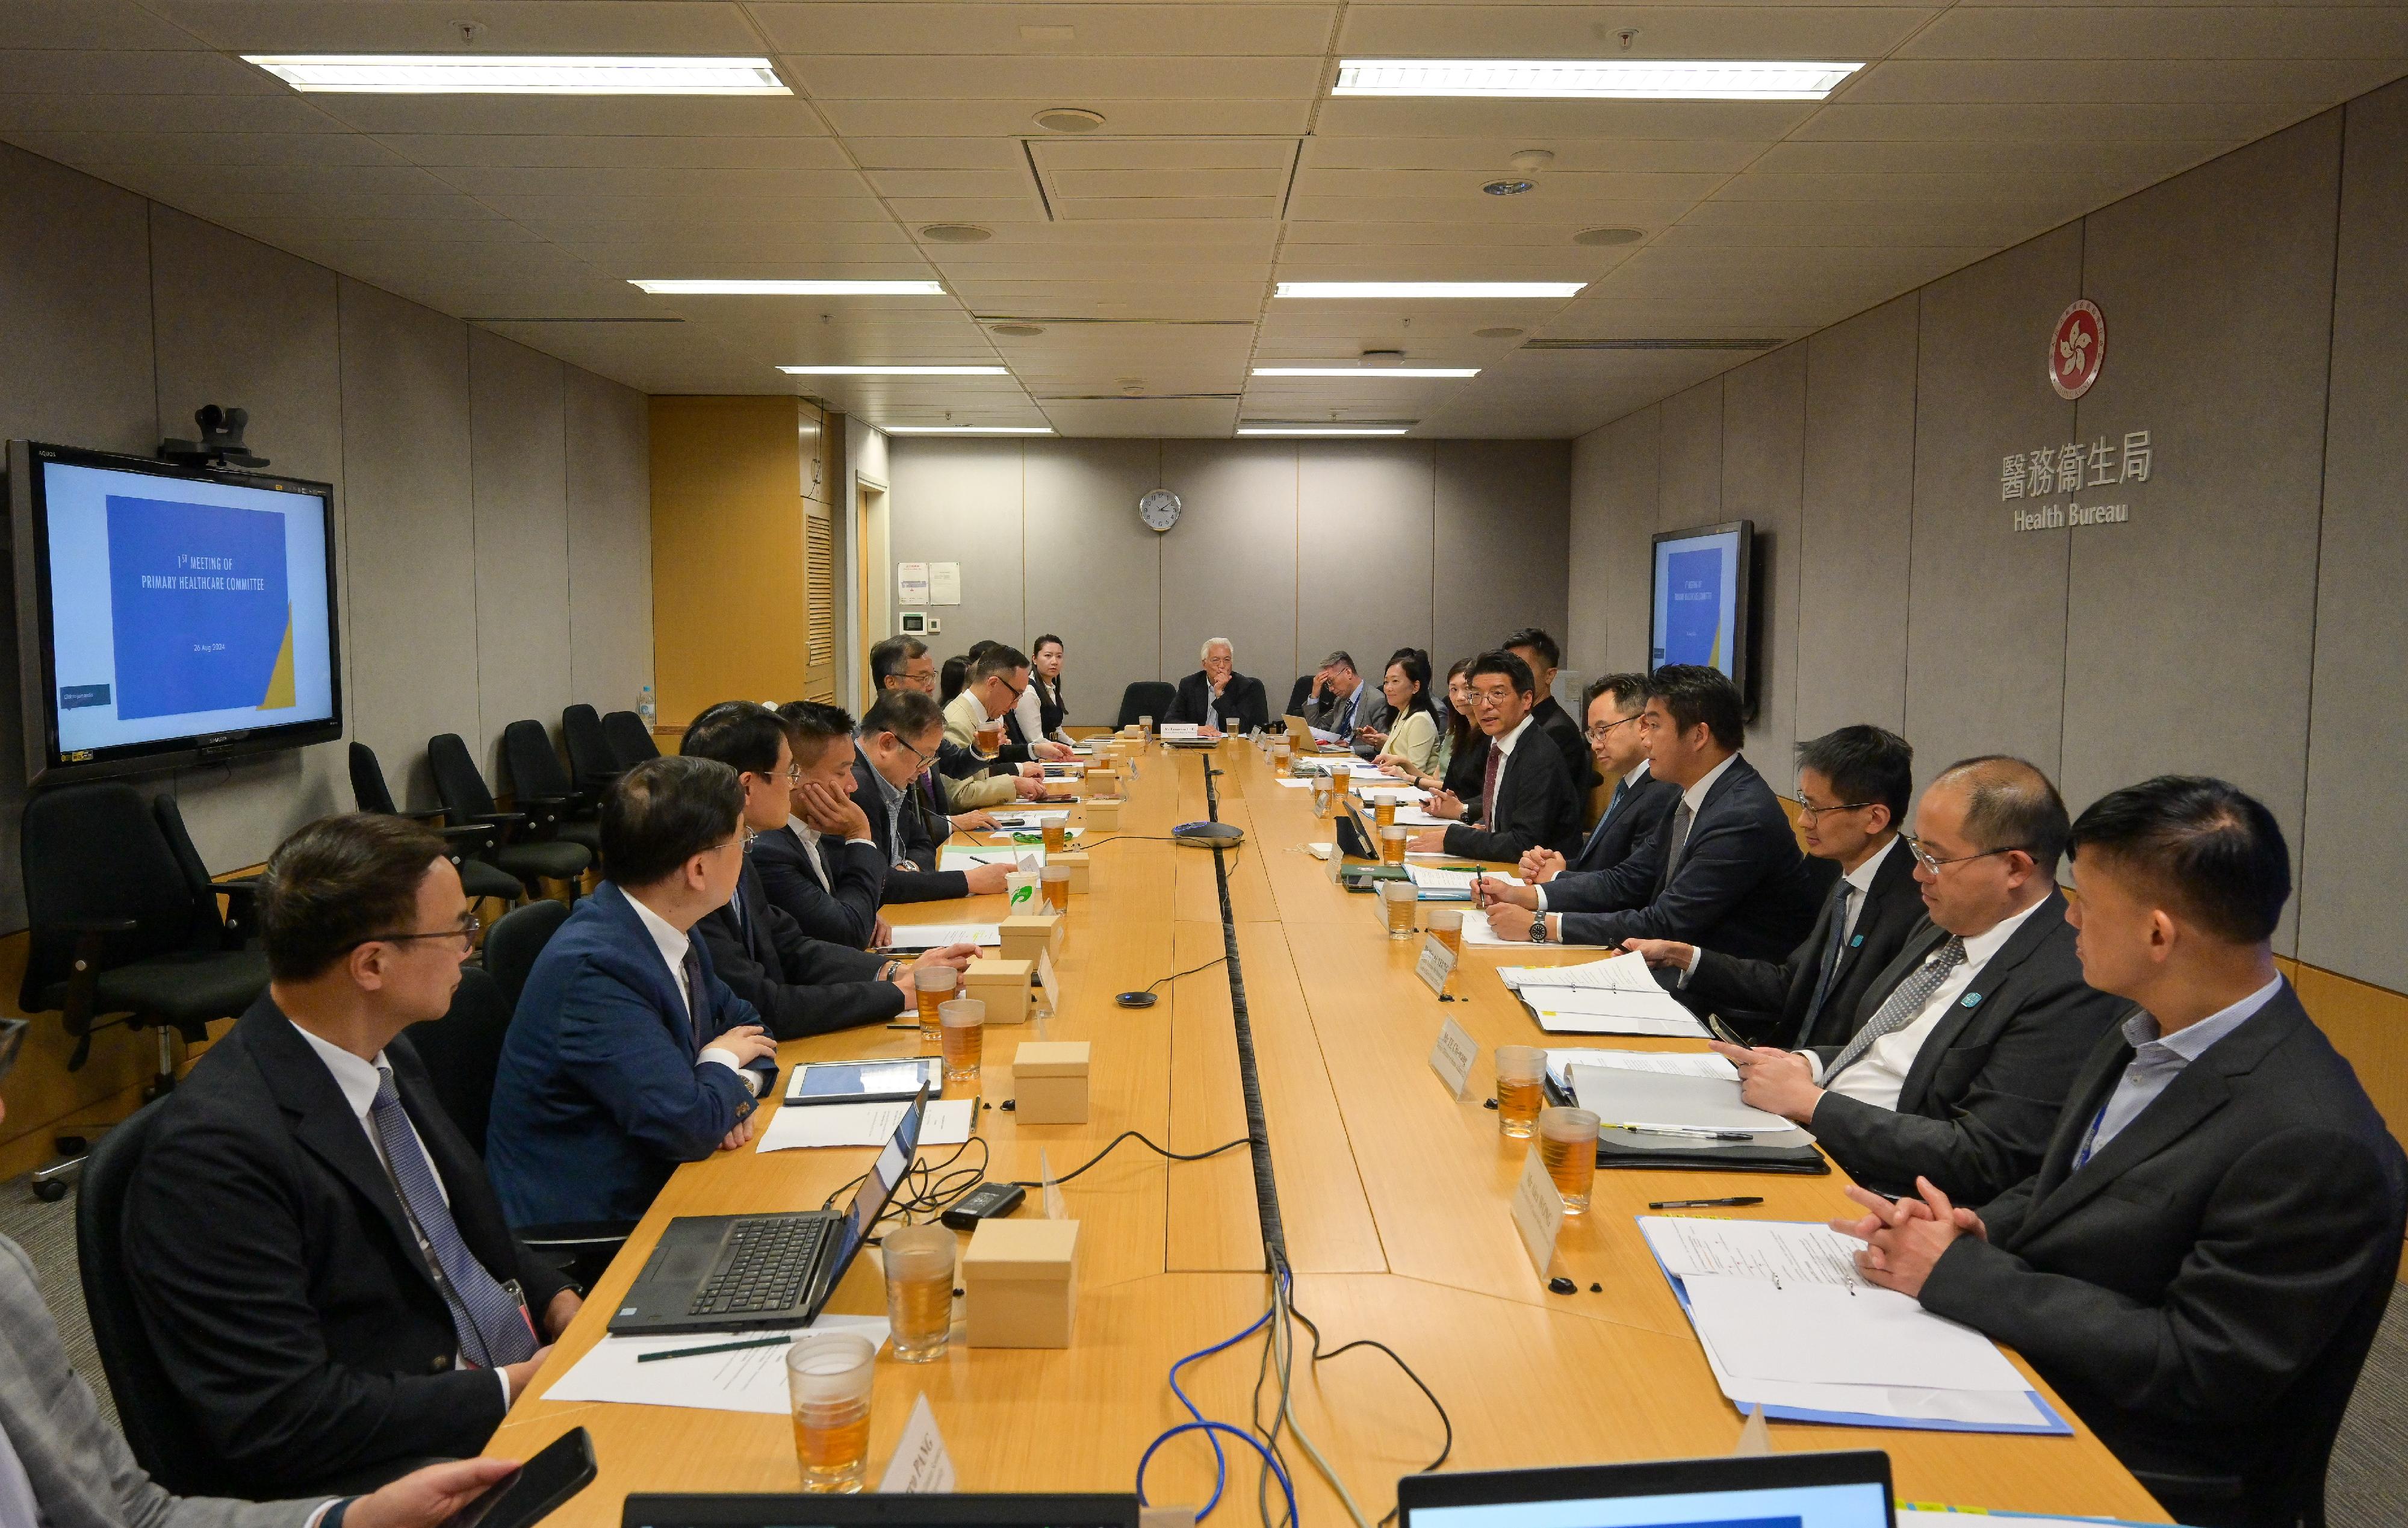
(1884, 886)
(1980, 998)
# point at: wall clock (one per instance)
(1159, 509)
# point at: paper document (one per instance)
(1823, 1333)
(1676, 1064)
(1579, 1010)
(1774, 1251)
(1414, 817)
(1029, 819)
(1476, 932)
(946, 1123)
(1669, 1101)
(1625, 973)
(1439, 884)
(747, 1379)
(1009, 855)
(935, 936)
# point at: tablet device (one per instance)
(895, 1080)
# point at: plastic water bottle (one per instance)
(645, 708)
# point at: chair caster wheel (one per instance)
(50, 1193)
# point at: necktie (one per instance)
(1905, 1002)
(1829, 964)
(694, 1004)
(1614, 804)
(487, 1317)
(1681, 820)
(1488, 786)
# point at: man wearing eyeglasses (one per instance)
(964, 783)
(1854, 786)
(981, 718)
(628, 1055)
(801, 985)
(899, 738)
(1965, 1045)
(321, 1264)
(1641, 806)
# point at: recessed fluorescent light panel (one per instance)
(1426, 289)
(966, 429)
(468, 74)
(792, 289)
(1322, 429)
(1373, 371)
(1613, 79)
(895, 370)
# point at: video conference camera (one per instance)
(221, 443)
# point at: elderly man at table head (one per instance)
(628, 1054)
(319, 1258)
(801, 985)
(2201, 1261)
(1729, 876)
(1217, 697)
(1964, 1046)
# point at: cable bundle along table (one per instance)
(1393, 1197)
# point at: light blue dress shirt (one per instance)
(2157, 1062)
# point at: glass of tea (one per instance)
(933, 986)
(1520, 1088)
(1568, 1145)
(964, 1039)
(918, 1290)
(827, 1380)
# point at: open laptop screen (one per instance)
(1785, 1507)
(1838, 1490)
(870, 1200)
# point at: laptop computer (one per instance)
(1845, 1489)
(1052, 1511)
(740, 1272)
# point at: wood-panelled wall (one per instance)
(737, 482)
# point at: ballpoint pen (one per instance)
(1703, 1204)
(1696, 1134)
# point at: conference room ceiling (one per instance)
(1146, 251)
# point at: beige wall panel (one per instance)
(1365, 523)
(963, 501)
(519, 449)
(1229, 568)
(609, 543)
(1094, 571)
(1764, 449)
(1689, 457)
(1504, 536)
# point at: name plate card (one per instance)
(1436, 965)
(1538, 1212)
(1047, 982)
(1452, 1058)
(921, 1465)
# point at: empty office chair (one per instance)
(470, 842)
(150, 1411)
(631, 741)
(1146, 698)
(125, 929)
(512, 945)
(462, 1050)
(1297, 697)
(592, 766)
(526, 851)
(537, 776)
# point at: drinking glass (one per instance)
(934, 985)
(1392, 844)
(963, 1024)
(1057, 888)
(1402, 898)
(918, 1290)
(827, 1380)
(1568, 1145)
(1384, 811)
(1447, 924)
(1521, 1075)
(1057, 837)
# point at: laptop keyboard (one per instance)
(763, 1267)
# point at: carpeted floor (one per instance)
(2368, 1487)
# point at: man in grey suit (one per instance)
(61, 1465)
(1342, 703)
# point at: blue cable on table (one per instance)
(1220, 1460)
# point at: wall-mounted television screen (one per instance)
(169, 614)
(1704, 582)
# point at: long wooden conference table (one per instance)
(1393, 1197)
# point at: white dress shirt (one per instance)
(358, 1080)
(1861, 878)
(1879, 1075)
(1031, 711)
(1695, 797)
(810, 837)
(673, 943)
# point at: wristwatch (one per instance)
(1539, 929)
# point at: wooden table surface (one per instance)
(1393, 1197)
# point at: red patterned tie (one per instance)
(1488, 785)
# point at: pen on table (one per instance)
(1680, 1129)
(777, 1341)
(1702, 1204)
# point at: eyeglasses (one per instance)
(1810, 814)
(793, 774)
(1599, 731)
(1934, 864)
(465, 932)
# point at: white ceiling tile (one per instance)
(1006, 180)
(2234, 124)
(78, 71)
(1489, 153)
(1555, 187)
(1053, 82)
(88, 24)
(163, 148)
(2053, 33)
(1848, 33)
(935, 153)
(2063, 82)
(2153, 157)
(502, 184)
(621, 151)
(1532, 121)
(919, 29)
(425, 26)
(690, 116)
(1154, 208)
(1009, 118)
(1171, 417)
(162, 114)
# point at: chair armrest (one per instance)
(87, 927)
(238, 886)
(426, 814)
(540, 802)
(471, 833)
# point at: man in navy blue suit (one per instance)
(628, 1055)
(1641, 806)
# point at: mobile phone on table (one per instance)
(531, 1493)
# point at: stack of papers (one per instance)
(1788, 1326)
(1617, 996)
(935, 936)
(1676, 1064)
(1010, 855)
(1660, 1099)
(747, 1379)
(1449, 885)
(946, 1123)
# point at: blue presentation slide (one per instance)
(1693, 595)
(197, 604)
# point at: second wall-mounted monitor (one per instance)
(1704, 585)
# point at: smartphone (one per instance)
(529, 1494)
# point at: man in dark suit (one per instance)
(1852, 786)
(1729, 876)
(799, 985)
(898, 737)
(319, 1259)
(823, 867)
(1640, 807)
(628, 1055)
(1526, 800)
(2201, 1261)
(1219, 698)
(1534, 647)
(1965, 1044)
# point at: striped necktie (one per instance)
(1829, 964)
(490, 1324)
(1905, 1003)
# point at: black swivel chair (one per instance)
(631, 741)
(149, 1410)
(591, 763)
(126, 928)
(512, 945)
(1297, 697)
(468, 842)
(462, 1049)
(1146, 698)
(537, 776)
(535, 858)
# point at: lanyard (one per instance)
(2083, 1159)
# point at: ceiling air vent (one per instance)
(1655, 344)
